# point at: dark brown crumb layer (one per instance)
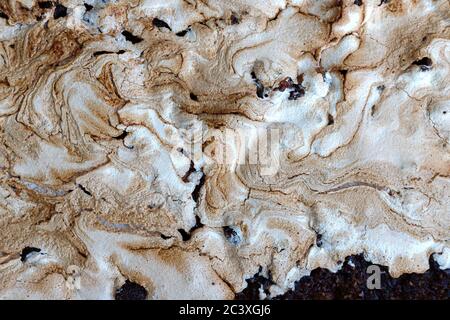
(351, 283)
(131, 291)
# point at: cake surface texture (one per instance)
(173, 149)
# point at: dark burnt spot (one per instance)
(384, 2)
(381, 88)
(88, 7)
(131, 291)
(154, 205)
(424, 63)
(284, 84)
(189, 172)
(99, 53)
(254, 285)
(234, 19)
(392, 193)
(122, 136)
(198, 187)
(160, 23)
(260, 90)
(182, 33)
(60, 11)
(297, 91)
(3, 15)
(131, 37)
(82, 188)
(330, 120)
(228, 232)
(358, 2)
(319, 240)
(164, 237)
(343, 72)
(231, 235)
(120, 52)
(193, 96)
(45, 4)
(198, 224)
(26, 251)
(184, 235)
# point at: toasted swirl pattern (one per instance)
(188, 145)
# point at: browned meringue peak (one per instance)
(100, 175)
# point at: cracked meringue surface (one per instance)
(101, 181)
